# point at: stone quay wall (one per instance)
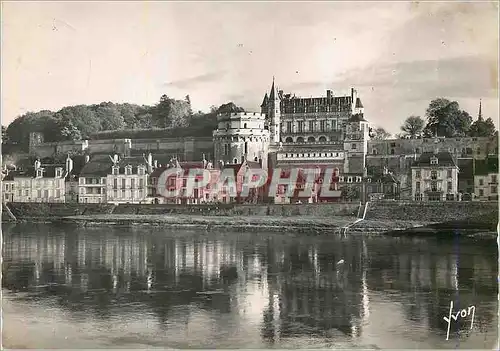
(377, 211)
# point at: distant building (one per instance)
(486, 179)
(435, 177)
(44, 182)
(8, 186)
(382, 186)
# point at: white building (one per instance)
(434, 177)
(44, 182)
(107, 179)
(486, 179)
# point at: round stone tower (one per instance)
(241, 137)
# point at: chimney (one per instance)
(69, 164)
(328, 94)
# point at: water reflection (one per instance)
(234, 284)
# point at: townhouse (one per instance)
(42, 182)
(435, 177)
(114, 179)
(486, 179)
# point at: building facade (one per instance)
(486, 179)
(435, 177)
(240, 137)
(44, 182)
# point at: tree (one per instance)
(482, 128)
(380, 134)
(109, 116)
(5, 137)
(350, 193)
(162, 111)
(413, 126)
(445, 119)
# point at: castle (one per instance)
(288, 131)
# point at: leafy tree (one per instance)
(162, 111)
(380, 134)
(5, 137)
(482, 128)
(445, 119)
(18, 131)
(413, 126)
(67, 130)
(109, 116)
(82, 117)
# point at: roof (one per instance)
(99, 165)
(444, 159)
(383, 178)
(358, 117)
(487, 166)
(264, 102)
(359, 104)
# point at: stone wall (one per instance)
(433, 211)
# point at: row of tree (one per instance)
(170, 117)
(444, 119)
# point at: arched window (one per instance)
(245, 125)
(289, 140)
(300, 140)
(322, 139)
(311, 140)
(235, 160)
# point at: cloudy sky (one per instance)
(398, 55)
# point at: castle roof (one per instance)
(359, 104)
(358, 117)
(264, 102)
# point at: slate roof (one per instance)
(485, 167)
(444, 159)
(359, 104)
(357, 118)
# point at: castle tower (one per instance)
(274, 113)
(356, 144)
(241, 137)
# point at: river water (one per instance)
(68, 287)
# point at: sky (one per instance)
(398, 55)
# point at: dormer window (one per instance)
(140, 170)
(58, 172)
(128, 170)
(39, 173)
(434, 160)
(115, 170)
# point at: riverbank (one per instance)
(380, 217)
(309, 225)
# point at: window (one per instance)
(301, 126)
(58, 193)
(226, 149)
(417, 150)
(493, 178)
(393, 144)
(322, 126)
(140, 170)
(132, 183)
(392, 152)
(115, 170)
(481, 182)
(417, 187)
(115, 183)
(493, 189)
(246, 147)
(417, 174)
(289, 127)
(115, 194)
(58, 172)
(450, 187)
(141, 183)
(349, 179)
(123, 193)
(449, 173)
(128, 170)
(39, 173)
(434, 186)
(433, 174)
(353, 146)
(82, 181)
(21, 192)
(124, 183)
(311, 126)
(434, 161)
(39, 193)
(334, 125)
(481, 192)
(82, 191)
